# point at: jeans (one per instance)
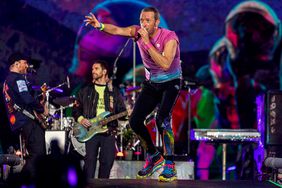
(106, 144)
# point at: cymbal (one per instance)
(64, 101)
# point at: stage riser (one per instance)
(129, 169)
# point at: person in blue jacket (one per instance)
(21, 107)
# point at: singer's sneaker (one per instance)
(153, 163)
(169, 172)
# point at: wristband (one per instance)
(102, 27)
(79, 119)
(148, 46)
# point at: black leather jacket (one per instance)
(87, 102)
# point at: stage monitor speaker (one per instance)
(274, 118)
(55, 140)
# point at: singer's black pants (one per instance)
(164, 96)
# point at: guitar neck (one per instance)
(113, 117)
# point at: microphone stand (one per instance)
(188, 85)
(113, 78)
(115, 62)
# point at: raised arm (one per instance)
(109, 28)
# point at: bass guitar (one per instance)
(99, 125)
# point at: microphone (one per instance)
(31, 69)
(68, 82)
(273, 162)
(137, 38)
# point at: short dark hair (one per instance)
(154, 10)
(103, 64)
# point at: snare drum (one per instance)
(55, 124)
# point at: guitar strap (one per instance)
(25, 112)
(110, 87)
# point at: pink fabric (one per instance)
(154, 72)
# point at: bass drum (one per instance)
(78, 146)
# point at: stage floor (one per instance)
(126, 183)
(152, 183)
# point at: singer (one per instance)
(160, 54)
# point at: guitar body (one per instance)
(99, 125)
(83, 134)
(42, 120)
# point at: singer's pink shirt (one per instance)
(154, 72)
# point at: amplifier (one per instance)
(55, 140)
(274, 118)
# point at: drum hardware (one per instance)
(46, 93)
(60, 122)
(64, 102)
(122, 126)
(55, 124)
(62, 115)
(68, 122)
(52, 110)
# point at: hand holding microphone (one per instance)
(143, 33)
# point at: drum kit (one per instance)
(57, 120)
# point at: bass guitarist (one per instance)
(92, 100)
(20, 105)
